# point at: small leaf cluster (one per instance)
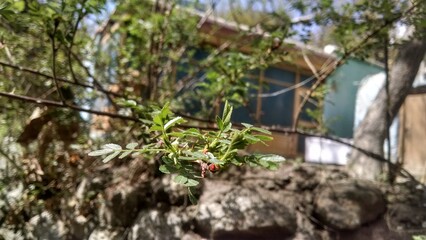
(190, 153)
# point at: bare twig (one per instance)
(69, 49)
(54, 52)
(12, 161)
(95, 80)
(34, 72)
(60, 105)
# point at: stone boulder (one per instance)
(228, 211)
(348, 204)
(157, 225)
(46, 226)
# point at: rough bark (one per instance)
(371, 133)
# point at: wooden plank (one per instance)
(414, 127)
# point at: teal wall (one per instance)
(339, 108)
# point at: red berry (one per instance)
(213, 167)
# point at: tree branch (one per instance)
(375, 156)
(54, 52)
(34, 72)
(97, 83)
(61, 105)
(74, 31)
(323, 75)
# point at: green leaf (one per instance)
(124, 154)
(192, 132)
(227, 127)
(219, 123)
(199, 155)
(158, 120)
(131, 103)
(180, 179)
(110, 157)
(100, 152)
(246, 125)
(227, 113)
(163, 168)
(270, 158)
(112, 146)
(191, 183)
(176, 134)
(264, 138)
(155, 128)
(131, 145)
(172, 122)
(261, 130)
(165, 111)
(251, 139)
(225, 141)
(191, 196)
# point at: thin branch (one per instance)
(54, 52)
(34, 72)
(61, 105)
(272, 129)
(12, 161)
(74, 32)
(95, 80)
(324, 75)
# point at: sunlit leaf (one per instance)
(173, 122)
(191, 196)
(112, 146)
(100, 152)
(180, 179)
(191, 183)
(110, 157)
(270, 158)
(124, 154)
(131, 145)
(163, 168)
(261, 130)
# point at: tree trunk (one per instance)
(371, 133)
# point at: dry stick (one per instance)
(324, 75)
(34, 72)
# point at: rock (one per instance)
(235, 212)
(192, 236)
(46, 226)
(377, 230)
(105, 234)
(407, 217)
(157, 225)
(9, 234)
(168, 192)
(80, 227)
(348, 204)
(122, 204)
